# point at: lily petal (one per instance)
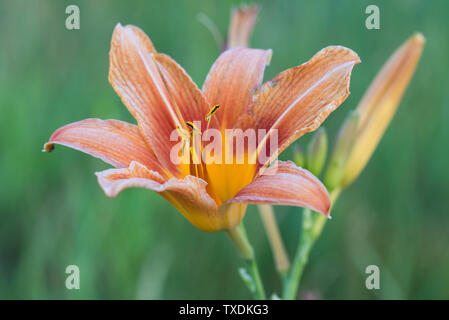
(185, 93)
(299, 99)
(232, 79)
(188, 195)
(115, 142)
(136, 78)
(286, 184)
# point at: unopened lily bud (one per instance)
(241, 26)
(317, 152)
(299, 156)
(380, 102)
(341, 152)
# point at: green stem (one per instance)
(312, 226)
(241, 243)
(240, 240)
(305, 244)
(259, 293)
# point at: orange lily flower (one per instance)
(162, 97)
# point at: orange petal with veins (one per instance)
(286, 184)
(115, 142)
(299, 99)
(185, 93)
(138, 79)
(232, 80)
(187, 195)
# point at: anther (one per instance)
(192, 126)
(211, 112)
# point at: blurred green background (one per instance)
(54, 214)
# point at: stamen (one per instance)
(195, 157)
(192, 126)
(192, 167)
(197, 167)
(182, 132)
(211, 112)
(185, 137)
(195, 139)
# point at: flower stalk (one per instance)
(277, 246)
(241, 243)
(250, 275)
(306, 241)
(312, 226)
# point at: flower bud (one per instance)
(317, 152)
(241, 26)
(380, 102)
(341, 151)
(299, 156)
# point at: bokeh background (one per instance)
(54, 214)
